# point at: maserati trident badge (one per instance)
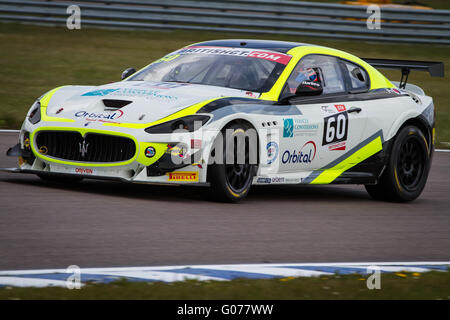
(83, 147)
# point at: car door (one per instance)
(330, 124)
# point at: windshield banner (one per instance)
(241, 52)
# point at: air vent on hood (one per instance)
(115, 104)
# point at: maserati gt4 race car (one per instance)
(229, 114)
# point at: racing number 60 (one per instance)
(335, 128)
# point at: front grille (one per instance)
(94, 147)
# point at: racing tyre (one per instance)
(59, 179)
(407, 171)
(232, 182)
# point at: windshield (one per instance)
(244, 69)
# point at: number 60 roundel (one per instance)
(335, 128)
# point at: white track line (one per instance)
(28, 282)
(229, 267)
(17, 131)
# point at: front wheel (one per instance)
(407, 171)
(231, 182)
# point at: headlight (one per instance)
(188, 123)
(35, 113)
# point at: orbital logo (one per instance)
(100, 116)
(306, 154)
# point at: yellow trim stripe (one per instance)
(377, 80)
(44, 101)
(329, 175)
(182, 113)
(160, 149)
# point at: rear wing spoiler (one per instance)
(434, 68)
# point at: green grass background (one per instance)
(35, 59)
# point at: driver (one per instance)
(303, 73)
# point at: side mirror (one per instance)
(128, 72)
(309, 88)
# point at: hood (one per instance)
(133, 101)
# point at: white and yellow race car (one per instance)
(232, 113)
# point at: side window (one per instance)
(321, 68)
(358, 76)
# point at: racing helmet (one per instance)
(307, 74)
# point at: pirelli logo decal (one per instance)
(183, 176)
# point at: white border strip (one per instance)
(228, 267)
(58, 277)
(9, 131)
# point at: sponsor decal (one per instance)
(251, 94)
(393, 91)
(335, 131)
(163, 85)
(272, 152)
(340, 107)
(102, 117)
(167, 58)
(143, 93)
(337, 146)
(196, 144)
(327, 110)
(277, 57)
(263, 180)
(101, 92)
(180, 150)
(150, 152)
(183, 176)
(306, 154)
(84, 171)
(298, 127)
(311, 84)
(278, 180)
(293, 180)
(26, 142)
(131, 92)
(43, 150)
(241, 52)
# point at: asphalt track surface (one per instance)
(109, 224)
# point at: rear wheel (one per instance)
(407, 171)
(231, 182)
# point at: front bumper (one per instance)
(157, 169)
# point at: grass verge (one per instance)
(36, 59)
(427, 286)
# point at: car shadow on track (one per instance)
(195, 193)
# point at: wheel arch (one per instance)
(247, 123)
(421, 123)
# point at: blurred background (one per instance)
(39, 51)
